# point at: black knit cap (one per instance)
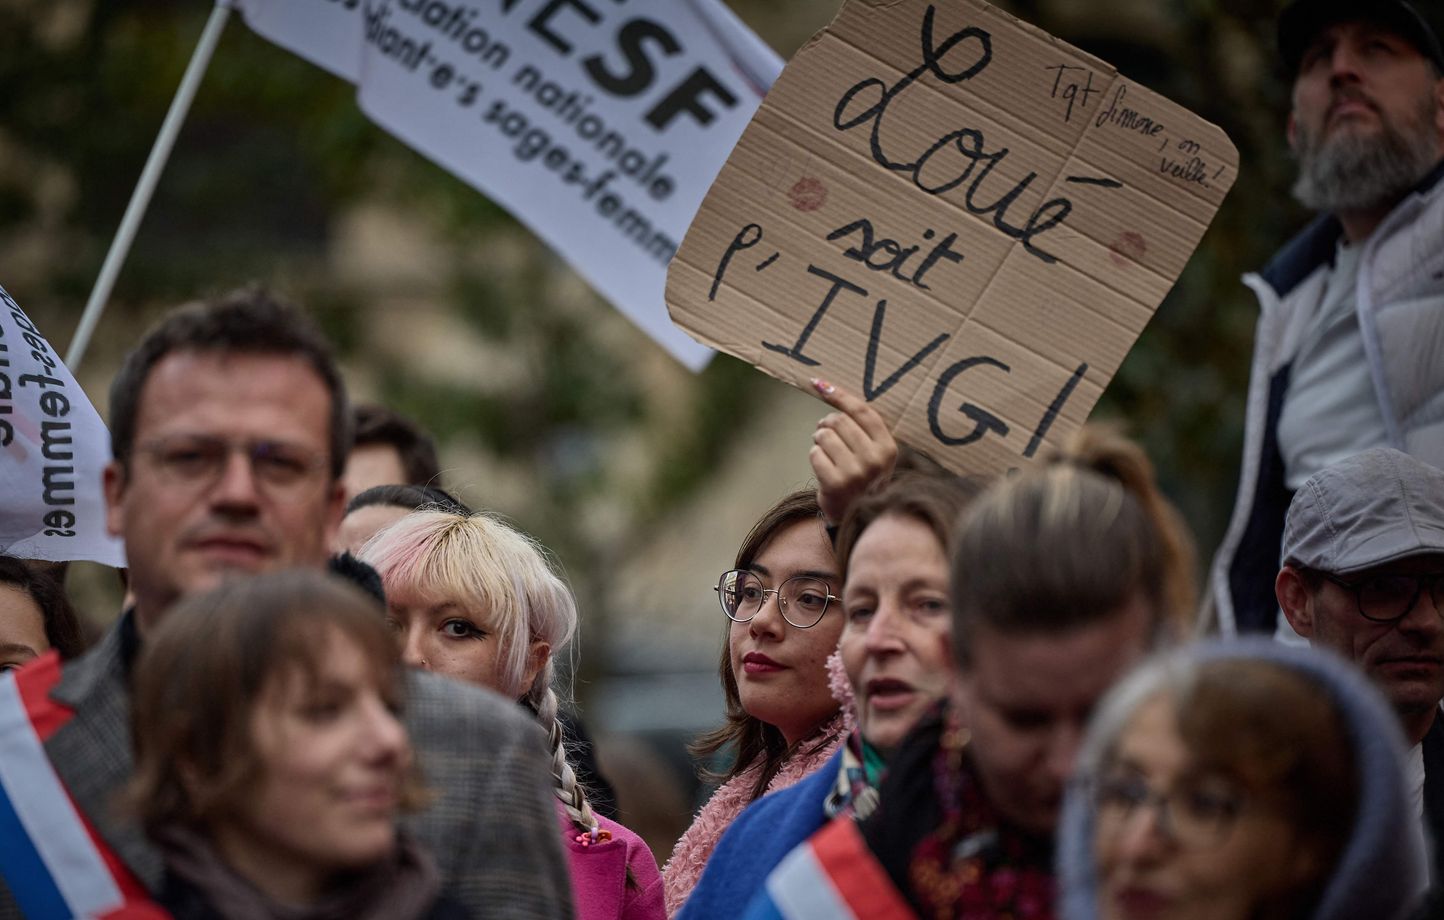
(1302, 20)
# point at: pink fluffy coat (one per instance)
(690, 856)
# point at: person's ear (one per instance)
(1439, 108)
(191, 782)
(113, 483)
(335, 511)
(1296, 600)
(1291, 131)
(537, 656)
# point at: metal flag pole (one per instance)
(140, 198)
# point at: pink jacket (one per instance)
(599, 873)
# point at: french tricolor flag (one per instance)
(832, 875)
(53, 861)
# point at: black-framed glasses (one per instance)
(1199, 814)
(803, 599)
(1386, 598)
(198, 461)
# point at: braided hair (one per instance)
(486, 565)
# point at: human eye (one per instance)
(1389, 587)
(10, 666)
(279, 462)
(190, 458)
(809, 595)
(322, 711)
(1026, 720)
(323, 707)
(931, 605)
(859, 613)
(456, 628)
(1211, 801)
(1381, 44)
(1122, 790)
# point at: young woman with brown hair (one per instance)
(782, 721)
(271, 766)
(893, 665)
(781, 598)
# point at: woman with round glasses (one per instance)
(1062, 578)
(892, 666)
(781, 603)
(1243, 780)
(782, 721)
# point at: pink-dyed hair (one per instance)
(495, 572)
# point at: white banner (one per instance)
(600, 124)
(53, 447)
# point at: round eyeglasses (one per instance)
(1386, 598)
(803, 599)
(1198, 815)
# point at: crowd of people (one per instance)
(333, 691)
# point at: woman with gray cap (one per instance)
(1236, 781)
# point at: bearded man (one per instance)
(1349, 353)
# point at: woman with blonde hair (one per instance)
(472, 598)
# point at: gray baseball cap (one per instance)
(1375, 507)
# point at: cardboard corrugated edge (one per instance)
(746, 345)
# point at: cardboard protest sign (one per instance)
(598, 125)
(53, 447)
(955, 214)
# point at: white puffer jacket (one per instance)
(1400, 301)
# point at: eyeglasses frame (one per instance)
(1164, 821)
(828, 598)
(1356, 588)
(250, 448)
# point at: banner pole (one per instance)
(145, 187)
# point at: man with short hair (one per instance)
(1363, 574)
(390, 449)
(230, 426)
(1352, 310)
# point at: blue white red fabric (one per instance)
(54, 862)
(832, 875)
